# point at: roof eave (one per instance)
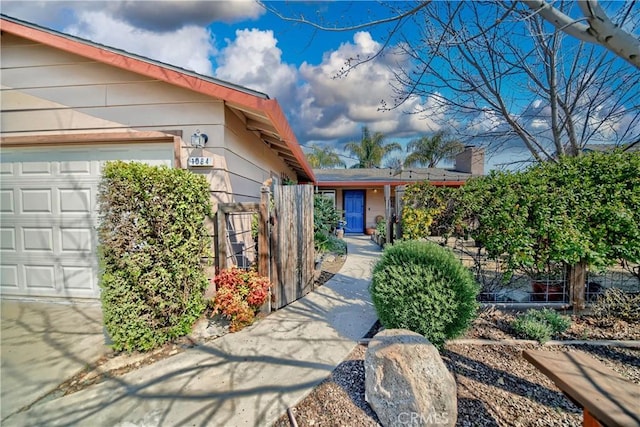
(246, 99)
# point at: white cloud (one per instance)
(487, 121)
(253, 60)
(189, 47)
(336, 101)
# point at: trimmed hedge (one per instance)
(151, 241)
(423, 287)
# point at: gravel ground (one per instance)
(496, 386)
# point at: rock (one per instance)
(329, 257)
(406, 381)
(207, 328)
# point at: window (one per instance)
(329, 194)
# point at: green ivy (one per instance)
(152, 239)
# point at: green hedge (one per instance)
(151, 241)
(422, 287)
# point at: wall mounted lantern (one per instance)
(198, 139)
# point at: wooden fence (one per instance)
(285, 240)
(292, 251)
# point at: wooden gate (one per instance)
(285, 240)
(292, 251)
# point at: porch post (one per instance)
(387, 213)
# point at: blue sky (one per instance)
(241, 42)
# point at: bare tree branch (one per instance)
(369, 24)
(601, 30)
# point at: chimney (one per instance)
(471, 160)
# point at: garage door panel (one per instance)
(76, 240)
(6, 169)
(78, 278)
(39, 276)
(37, 239)
(36, 168)
(36, 200)
(7, 239)
(75, 167)
(7, 201)
(9, 276)
(76, 200)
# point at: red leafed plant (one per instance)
(240, 294)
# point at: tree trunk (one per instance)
(577, 279)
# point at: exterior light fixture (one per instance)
(198, 139)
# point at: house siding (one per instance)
(49, 91)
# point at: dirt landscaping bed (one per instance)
(496, 386)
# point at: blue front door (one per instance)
(354, 211)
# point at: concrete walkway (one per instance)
(242, 379)
(43, 344)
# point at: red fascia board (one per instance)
(371, 184)
(269, 106)
(277, 117)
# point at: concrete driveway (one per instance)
(42, 345)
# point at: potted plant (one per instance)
(340, 228)
(548, 285)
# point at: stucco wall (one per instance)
(374, 206)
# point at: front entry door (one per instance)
(354, 211)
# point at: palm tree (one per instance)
(429, 150)
(371, 149)
(324, 158)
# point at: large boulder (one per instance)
(406, 381)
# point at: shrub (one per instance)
(239, 296)
(429, 210)
(325, 219)
(540, 325)
(325, 215)
(616, 304)
(151, 241)
(532, 329)
(423, 287)
(381, 228)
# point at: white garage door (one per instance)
(48, 216)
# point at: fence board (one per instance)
(292, 251)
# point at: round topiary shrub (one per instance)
(423, 287)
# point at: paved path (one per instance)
(242, 379)
(42, 345)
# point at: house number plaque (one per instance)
(200, 161)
